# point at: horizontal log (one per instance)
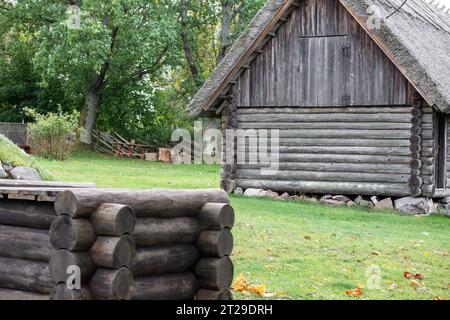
(343, 142)
(113, 252)
(380, 151)
(72, 234)
(342, 176)
(112, 284)
(27, 275)
(326, 117)
(328, 125)
(338, 167)
(145, 203)
(16, 295)
(369, 189)
(332, 158)
(165, 287)
(27, 214)
(24, 243)
(215, 244)
(428, 190)
(61, 260)
(210, 295)
(332, 134)
(215, 274)
(325, 110)
(217, 216)
(113, 220)
(61, 292)
(165, 232)
(153, 261)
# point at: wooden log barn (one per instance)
(361, 102)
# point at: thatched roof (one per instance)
(416, 38)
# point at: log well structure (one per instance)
(360, 109)
(124, 244)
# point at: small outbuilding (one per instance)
(358, 89)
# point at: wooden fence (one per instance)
(128, 244)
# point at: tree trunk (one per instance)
(92, 100)
(89, 114)
(225, 32)
(196, 73)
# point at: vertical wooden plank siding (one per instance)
(318, 57)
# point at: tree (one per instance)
(208, 30)
(99, 48)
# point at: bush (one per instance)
(53, 135)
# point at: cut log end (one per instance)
(66, 204)
(62, 260)
(215, 274)
(113, 252)
(217, 216)
(72, 234)
(216, 244)
(61, 292)
(114, 220)
(112, 284)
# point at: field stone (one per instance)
(239, 191)
(375, 200)
(385, 204)
(342, 198)
(326, 197)
(334, 202)
(253, 192)
(413, 205)
(285, 196)
(358, 200)
(25, 173)
(3, 173)
(269, 194)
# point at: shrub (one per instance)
(53, 135)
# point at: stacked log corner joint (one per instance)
(100, 248)
(154, 245)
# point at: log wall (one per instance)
(359, 150)
(127, 244)
(25, 249)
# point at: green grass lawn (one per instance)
(300, 250)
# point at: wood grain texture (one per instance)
(27, 275)
(39, 215)
(72, 234)
(24, 243)
(145, 203)
(321, 57)
(165, 287)
(165, 232)
(162, 260)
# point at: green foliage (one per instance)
(12, 155)
(48, 63)
(53, 135)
